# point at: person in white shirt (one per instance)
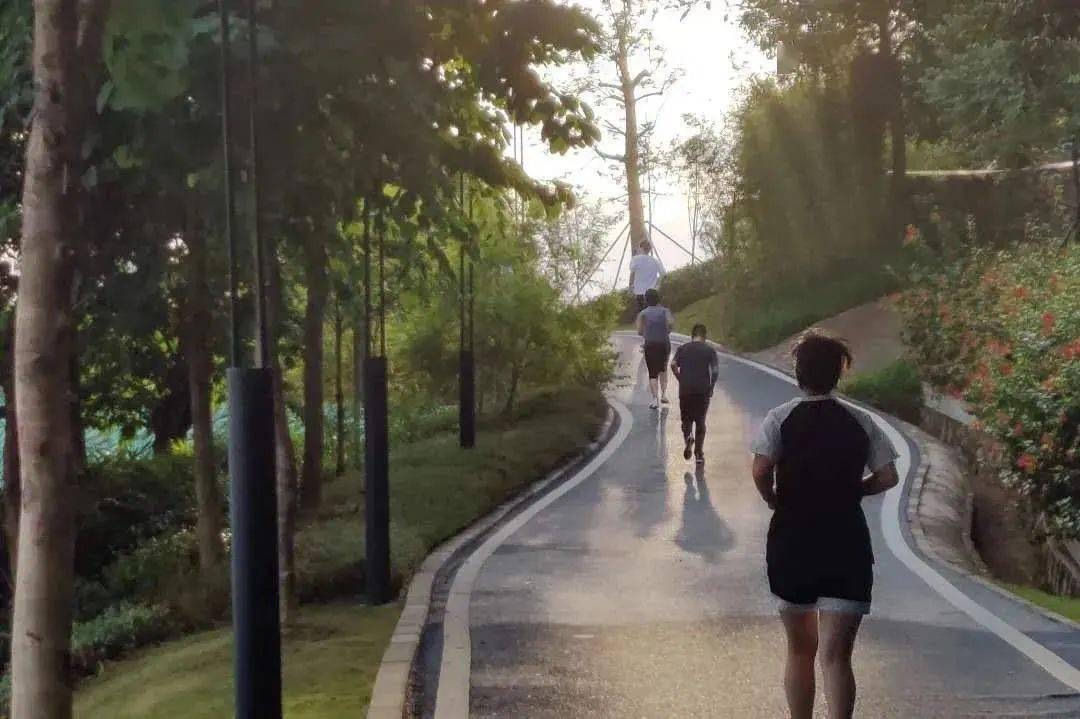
(645, 273)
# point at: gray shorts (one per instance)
(825, 604)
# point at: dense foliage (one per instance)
(1001, 328)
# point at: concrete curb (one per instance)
(389, 696)
(956, 479)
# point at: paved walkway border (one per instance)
(389, 697)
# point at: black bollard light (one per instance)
(252, 489)
(467, 410)
(376, 425)
(466, 358)
(377, 481)
(253, 513)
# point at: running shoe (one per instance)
(689, 450)
(700, 459)
(653, 405)
(664, 401)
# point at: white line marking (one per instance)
(452, 697)
(894, 539)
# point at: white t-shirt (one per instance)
(647, 271)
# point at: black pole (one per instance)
(262, 339)
(376, 481)
(230, 204)
(252, 490)
(377, 439)
(253, 514)
(466, 360)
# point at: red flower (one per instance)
(1048, 321)
(1027, 463)
(1021, 292)
(1071, 351)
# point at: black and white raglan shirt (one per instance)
(822, 450)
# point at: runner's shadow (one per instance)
(703, 531)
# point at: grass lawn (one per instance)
(332, 655)
(330, 661)
(749, 324)
(1068, 607)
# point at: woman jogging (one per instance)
(810, 459)
(654, 323)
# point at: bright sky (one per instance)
(715, 59)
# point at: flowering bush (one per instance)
(1001, 329)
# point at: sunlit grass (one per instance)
(330, 660)
(1068, 607)
(332, 655)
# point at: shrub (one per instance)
(1001, 329)
(148, 571)
(330, 558)
(118, 629)
(129, 500)
(896, 389)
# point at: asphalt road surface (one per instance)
(641, 592)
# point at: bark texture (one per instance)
(315, 271)
(200, 366)
(285, 459)
(66, 63)
(632, 152)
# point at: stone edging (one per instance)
(951, 475)
(941, 506)
(390, 692)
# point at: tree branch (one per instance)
(655, 93)
(609, 157)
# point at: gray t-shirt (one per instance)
(656, 323)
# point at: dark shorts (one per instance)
(656, 357)
(806, 587)
(804, 571)
(693, 407)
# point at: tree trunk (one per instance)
(172, 416)
(12, 484)
(632, 154)
(199, 367)
(66, 54)
(339, 396)
(315, 271)
(285, 452)
(511, 393)
(898, 129)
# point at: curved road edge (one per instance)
(390, 693)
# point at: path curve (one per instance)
(638, 589)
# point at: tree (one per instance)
(625, 46)
(571, 245)
(865, 39)
(67, 65)
(1004, 78)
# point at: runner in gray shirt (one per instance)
(654, 323)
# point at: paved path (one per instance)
(873, 331)
(640, 592)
